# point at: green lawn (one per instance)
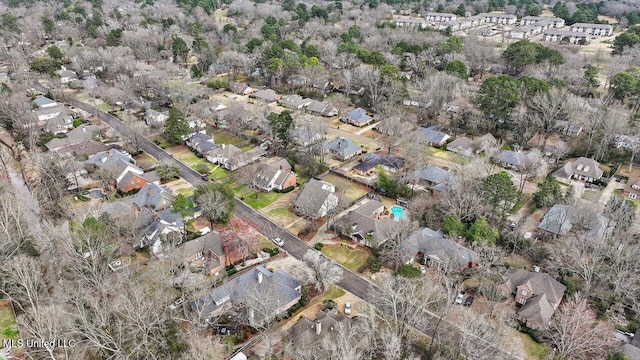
(349, 189)
(333, 292)
(533, 349)
(7, 322)
(145, 161)
(220, 174)
(282, 216)
(160, 141)
(186, 191)
(592, 195)
(351, 259)
(263, 199)
(224, 137)
(523, 200)
(104, 107)
(433, 151)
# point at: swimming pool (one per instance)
(398, 213)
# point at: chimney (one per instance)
(149, 191)
(339, 144)
(280, 167)
(318, 327)
(354, 226)
(155, 217)
(84, 129)
(259, 277)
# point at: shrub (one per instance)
(285, 190)
(77, 122)
(408, 271)
(232, 271)
(218, 83)
(271, 251)
(318, 246)
(329, 304)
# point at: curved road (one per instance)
(351, 282)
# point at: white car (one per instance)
(347, 308)
(176, 304)
(423, 269)
(459, 298)
(278, 241)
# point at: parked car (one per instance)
(204, 178)
(278, 241)
(459, 298)
(176, 304)
(347, 308)
(423, 269)
(469, 301)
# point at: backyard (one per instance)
(8, 326)
(344, 187)
(352, 259)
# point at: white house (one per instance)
(592, 29)
(439, 17)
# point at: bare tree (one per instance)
(480, 337)
(395, 249)
(578, 256)
(323, 270)
(253, 177)
(576, 333)
(14, 233)
(547, 108)
(23, 282)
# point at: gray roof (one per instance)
(313, 196)
(357, 116)
(202, 142)
(51, 110)
(539, 283)
(154, 222)
(630, 351)
(210, 242)
(461, 144)
(152, 195)
(373, 160)
(279, 285)
(516, 159)
(305, 136)
(366, 221)
(561, 219)
(114, 161)
(342, 146)
(438, 177)
(117, 208)
(42, 101)
(238, 87)
(303, 333)
(266, 95)
(322, 107)
(294, 101)
(433, 244)
(537, 310)
(432, 134)
(581, 166)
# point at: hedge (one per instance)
(285, 190)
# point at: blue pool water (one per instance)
(398, 213)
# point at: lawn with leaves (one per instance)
(350, 189)
(532, 348)
(352, 259)
(8, 326)
(224, 137)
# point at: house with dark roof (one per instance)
(42, 102)
(538, 295)
(154, 197)
(160, 228)
(212, 252)
(583, 169)
(370, 162)
(232, 158)
(367, 225)
(316, 199)
(435, 248)
(275, 174)
(342, 148)
(431, 136)
(201, 143)
(266, 95)
(86, 147)
(122, 168)
(357, 117)
(277, 291)
(632, 189)
(295, 102)
(322, 108)
(467, 147)
(560, 220)
(326, 328)
(240, 88)
(517, 159)
(432, 177)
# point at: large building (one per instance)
(499, 18)
(563, 35)
(440, 17)
(555, 22)
(592, 29)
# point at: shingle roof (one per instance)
(152, 194)
(561, 219)
(313, 196)
(86, 147)
(537, 310)
(539, 283)
(440, 177)
(432, 134)
(516, 159)
(373, 160)
(294, 101)
(585, 167)
(357, 116)
(322, 107)
(432, 243)
(342, 146)
(42, 101)
(266, 95)
(209, 242)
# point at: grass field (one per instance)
(145, 161)
(282, 216)
(333, 292)
(534, 350)
(351, 190)
(351, 259)
(224, 137)
(7, 322)
(592, 195)
(263, 199)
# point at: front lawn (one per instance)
(352, 259)
(333, 292)
(282, 216)
(249, 196)
(145, 161)
(532, 348)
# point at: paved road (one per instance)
(351, 282)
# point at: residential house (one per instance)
(342, 148)
(316, 199)
(211, 252)
(411, 22)
(266, 95)
(232, 158)
(367, 225)
(517, 159)
(295, 102)
(50, 112)
(467, 147)
(551, 146)
(538, 294)
(431, 136)
(276, 174)
(499, 18)
(632, 189)
(42, 102)
(122, 168)
(327, 327)
(196, 126)
(569, 128)
(357, 117)
(154, 197)
(560, 220)
(432, 177)
(565, 36)
(278, 291)
(592, 29)
(632, 349)
(85, 148)
(554, 21)
(440, 17)
(522, 32)
(306, 135)
(66, 76)
(322, 108)
(59, 124)
(583, 169)
(76, 136)
(201, 143)
(370, 162)
(160, 228)
(155, 118)
(434, 247)
(240, 88)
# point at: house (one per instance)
(434, 247)
(66, 76)
(538, 295)
(59, 124)
(516, 159)
(322, 108)
(632, 189)
(592, 29)
(432, 177)
(316, 199)
(196, 126)
(632, 350)
(467, 147)
(560, 220)
(565, 36)
(295, 102)
(266, 95)
(499, 18)
(367, 225)
(431, 136)
(280, 290)
(201, 143)
(76, 136)
(42, 102)
(160, 228)
(411, 22)
(522, 32)
(154, 197)
(551, 146)
(370, 162)
(342, 148)
(553, 21)
(313, 335)
(440, 17)
(569, 128)
(240, 88)
(155, 118)
(85, 148)
(122, 168)
(583, 169)
(306, 135)
(211, 252)
(357, 117)
(276, 174)
(50, 112)
(232, 158)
